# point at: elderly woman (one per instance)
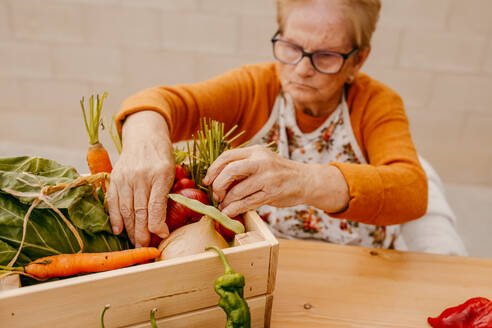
(346, 170)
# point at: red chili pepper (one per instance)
(474, 313)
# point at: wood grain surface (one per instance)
(326, 285)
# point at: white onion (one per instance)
(191, 239)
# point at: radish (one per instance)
(178, 215)
(182, 184)
(226, 233)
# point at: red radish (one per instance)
(180, 173)
(226, 233)
(198, 195)
(183, 184)
(175, 217)
(178, 215)
(194, 193)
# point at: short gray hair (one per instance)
(362, 14)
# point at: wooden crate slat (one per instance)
(174, 288)
(177, 287)
(212, 317)
(255, 223)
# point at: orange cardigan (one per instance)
(391, 189)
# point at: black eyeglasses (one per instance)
(327, 62)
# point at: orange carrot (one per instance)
(70, 264)
(97, 157)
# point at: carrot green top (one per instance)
(391, 189)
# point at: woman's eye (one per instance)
(327, 62)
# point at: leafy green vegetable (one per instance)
(40, 172)
(7, 252)
(83, 212)
(46, 233)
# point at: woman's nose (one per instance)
(305, 67)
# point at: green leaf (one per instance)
(105, 242)
(47, 234)
(85, 211)
(88, 214)
(43, 167)
(100, 195)
(40, 172)
(7, 252)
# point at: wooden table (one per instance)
(327, 285)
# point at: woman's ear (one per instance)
(362, 56)
(359, 59)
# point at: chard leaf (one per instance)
(46, 233)
(7, 252)
(46, 172)
(88, 214)
(43, 167)
(105, 242)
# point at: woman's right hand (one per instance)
(141, 178)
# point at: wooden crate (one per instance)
(181, 289)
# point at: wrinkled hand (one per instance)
(141, 179)
(246, 178)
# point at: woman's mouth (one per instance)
(301, 85)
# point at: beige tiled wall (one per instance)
(436, 53)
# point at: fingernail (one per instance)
(116, 230)
(216, 197)
(163, 235)
(205, 181)
(137, 245)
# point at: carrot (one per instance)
(70, 264)
(97, 157)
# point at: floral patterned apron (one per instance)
(333, 141)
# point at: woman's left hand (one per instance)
(247, 178)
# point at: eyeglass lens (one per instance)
(290, 54)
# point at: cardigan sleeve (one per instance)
(242, 97)
(392, 188)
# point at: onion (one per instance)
(191, 239)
